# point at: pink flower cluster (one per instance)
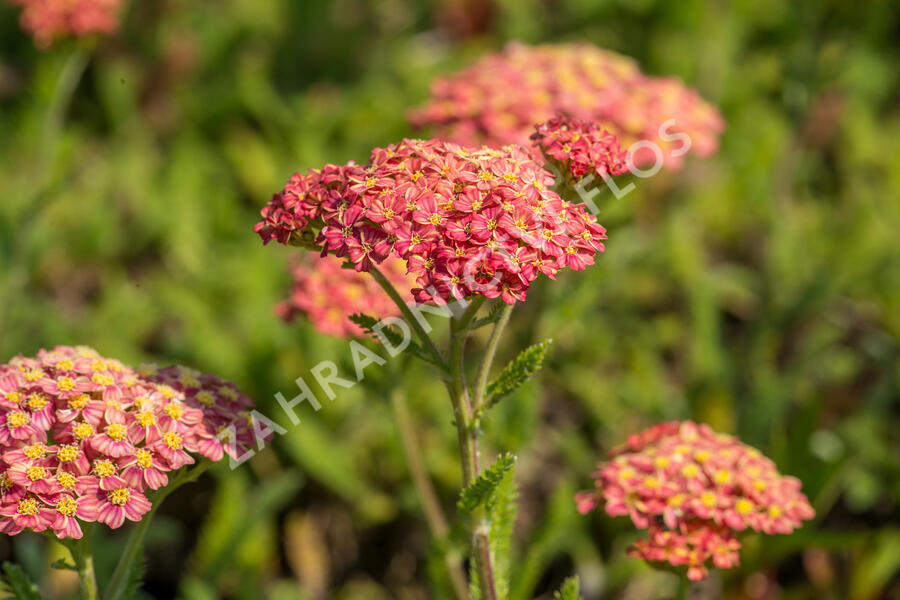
(693, 489)
(48, 20)
(327, 293)
(580, 147)
(466, 221)
(499, 99)
(82, 437)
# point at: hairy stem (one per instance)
(484, 368)
(83, 558)
(389, 289)
(119, 582)
(434, 514)
(468, 448)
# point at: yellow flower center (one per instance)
(743, 506)
(98, 365)
(723, 476)
(166, 392)
(205, 398)
(227, 392)
(102, 379)
(172, 440)
(82, 430)
(626, 474)
(79, 402)
(67, 453)
(701, 456)
(66, 480)
(708, 499)
(116, 431)
(690, 470)
(14, 397)
(36, 451)
(5, 482)
(119, 496)
(28, 507)
(145, 418)
(65, 384)
(661, 462)
(65, 365)
(189, 380)
(66, 506)
(36, 473)
(37, 401)
(18, 419)
(774, 511)
(676, 501)
(143, 458)
(651, 482)
(485, 176)
(33, 375)
(104, 468)
(173, 411)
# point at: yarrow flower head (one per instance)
(327, 294)
(48, 20)
(693, 490)
(466, 221)
(499, 99)
(82, 437)
(580, 147)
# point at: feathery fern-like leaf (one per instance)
(569, 590)
(15, 584)
(483, 488)
(516, 373)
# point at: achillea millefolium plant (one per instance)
(478, 222)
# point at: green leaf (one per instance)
(482, 489)
(569, 590)
(368, 323)
(517, 372)
(502, 509)
(493, 316)
(14, 583)
(136, 575)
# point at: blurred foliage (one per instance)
(758, 291)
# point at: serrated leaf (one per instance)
(569, 590)
(493, 316)
(14, 583)
(502, 509)
(368, 323)
(516, 373)
(482, 489)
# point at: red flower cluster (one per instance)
(327, 294)
(466, 221)
(48, 20)
(693, 488)
(499, 99)
(82, 437)
(580, 147)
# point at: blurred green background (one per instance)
(758, 291)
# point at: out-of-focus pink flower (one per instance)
(693, 489)
(580, 147)
(48, 20)
(466, 221)
(499, 99)
(327, 294)
(83, 436)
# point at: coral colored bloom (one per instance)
(327, 294)
(455, 215)
(83, 436)
(693, 489)
(500, 98)
(580, 147)
(48, 20)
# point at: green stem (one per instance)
(484, 368)
(434, 514)
(427, 342)
(119, 581)
(83, 558)
(468, 447)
